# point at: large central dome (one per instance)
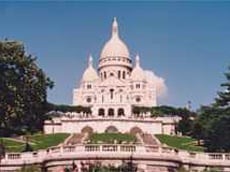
(115, 47)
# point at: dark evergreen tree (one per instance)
(215, 120)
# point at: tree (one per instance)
(23, 90)
(197, 131)
(215, 120)
(185, 125)
(223, 99)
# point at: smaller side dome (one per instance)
(90, 73)
(137, 72)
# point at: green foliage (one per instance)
(23, 87)
(43, 141)
(138, 110)
(214, 121)
(28, 148)
(163, 111)
(111, 137)
(223, 99)
(197, 131)
(30, 168)
(36, 142)
(185, 143)
(68, 108)
(182, 169)
(12, 146)
(212, 170)
(185, 125)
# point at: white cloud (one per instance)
(158, 82)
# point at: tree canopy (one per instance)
(23, 90)
(214, 120)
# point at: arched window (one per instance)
(123, 75)
(111, 112)
(111, 93)
(101, 112)
(104, 75)
(89, 86)
(87, 129)
(119, 74)
(120, 112)
(102, 99)
(138, 99)
(89, 100)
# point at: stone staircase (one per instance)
(76, 138)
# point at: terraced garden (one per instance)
(110, 138)
(179, 142)
(37, 141)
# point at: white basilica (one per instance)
(117, 84)
(111, 92)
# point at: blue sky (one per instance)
(186, 43)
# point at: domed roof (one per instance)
(138, 73)
(115, 47)
(90, 73)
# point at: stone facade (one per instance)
(75, 124)
(111, 91)
(117, 85)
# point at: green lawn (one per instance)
(37, 141)
(12, 146)
(111, 137)
(185, 143)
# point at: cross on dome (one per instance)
(115, 27)
(137, 60)
(90, 61)
(115, 47)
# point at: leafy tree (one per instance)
(197, 131)
(68, 108)
(23, 90)
(185, 125)
(28, 148)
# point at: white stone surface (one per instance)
(118, 85)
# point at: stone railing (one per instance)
(140, 152)
(118, 148)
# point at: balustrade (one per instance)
(14, 156)
(68, 148)
(147, 149)
(109, 148)
(215, 156)
(92, 148)
(127, 148)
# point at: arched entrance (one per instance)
(111, 129)
(135, 130)
(87, 129)
(120, 112)
(101, 112)
(111, 112)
